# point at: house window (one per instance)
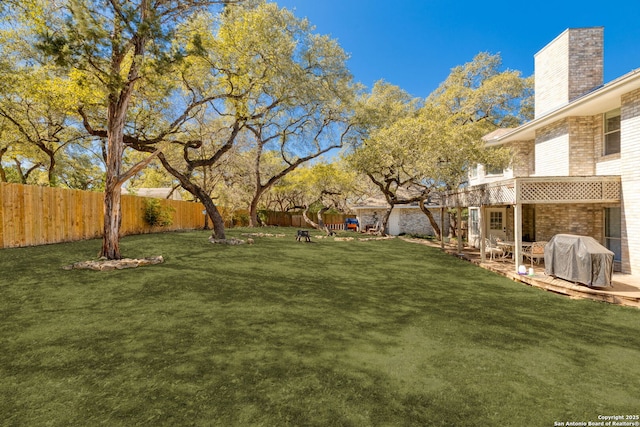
(474, 223)
(613, 231)
(495, 221)
(612, 132)
(492, 170)
(473, 171)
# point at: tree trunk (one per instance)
(305, 216)
(453, 224)
(254, 220)
(113, 186)
(50, 172)
(385, 221)
(321, 225)
(23, 178)
(200, 194)
(213, 213)
(51, 154)
(112, 219)
(3, 174)
(432, 221)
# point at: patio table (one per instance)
(509, 246)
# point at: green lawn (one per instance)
(355, 333)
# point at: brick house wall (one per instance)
(586, 60)
(582, 219)
(523, 154)
(410, 220)
(581, 152)
(414, 221)
(567, 147)
(541, 222)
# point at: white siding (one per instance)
(630, 171)
(552, 75)
(608, 167)
(552, 157)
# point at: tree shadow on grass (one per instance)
(337, 333)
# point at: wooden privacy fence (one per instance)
(287, 219)
(34, 215)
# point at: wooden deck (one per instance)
(625, 289)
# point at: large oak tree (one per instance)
(114, 46)
(413, 153)
(274, 84)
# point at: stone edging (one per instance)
(114, 264)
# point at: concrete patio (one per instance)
(625, 289)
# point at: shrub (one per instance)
(157, 215)
(240, 219)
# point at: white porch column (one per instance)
(459, 227)
(517, 225)
(483, 256)
(442, 227)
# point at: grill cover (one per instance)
(578, 259)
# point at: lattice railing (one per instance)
(500, 194)
(612, 190)
(562, 190)
(595, 189)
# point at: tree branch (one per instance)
(137, 167)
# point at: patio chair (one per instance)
(493, 249)
(374, 229)
(535, 252)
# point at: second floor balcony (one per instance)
(538, 190)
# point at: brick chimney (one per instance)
(568, 67)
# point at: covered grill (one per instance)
(579, 259)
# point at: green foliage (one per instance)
(298, 91)
(430, 147)
(385, 105)
(321, 185)
(155, 214)
(480, 91)
(240, 219)
(78, 169)
(11, 175)
(195, 77)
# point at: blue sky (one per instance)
(415, 43)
